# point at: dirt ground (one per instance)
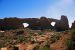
(61, 44)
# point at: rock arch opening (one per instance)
(53, 23)
(25, 25)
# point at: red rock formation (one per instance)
(34, 23)
(73, 25)
(62, 24)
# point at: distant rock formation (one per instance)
(73, 25)
(34, 23)
(62, 24)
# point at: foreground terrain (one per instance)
(26, 39)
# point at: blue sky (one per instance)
(38, 8)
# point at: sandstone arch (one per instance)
(35, 23)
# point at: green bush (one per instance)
(1, 34)
(21, 38)
(40, 33)
(19, 32)
(73, 32)
(69, 44)
(47, 47)
(2, 44)
(55, 37)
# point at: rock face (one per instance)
(34, 23)
(9, 23)
(73, 25)
(62, 24)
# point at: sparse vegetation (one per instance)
(13, 37)
(55, 37)
(40, 33)
(1, 34)
(21, 38)
(73, 32)
(69, 44)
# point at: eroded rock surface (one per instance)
(73, 25)
(34, 23)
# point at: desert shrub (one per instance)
(30, 34)
(21, 38)
(66, 31)
(55, 37)
(69, 44)
(47, 47)
(36, 48)
(20, 32)
(1, 34)
(7, 40)
(27, 29)
(40, 33)
(2, 44)
(73, 32)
